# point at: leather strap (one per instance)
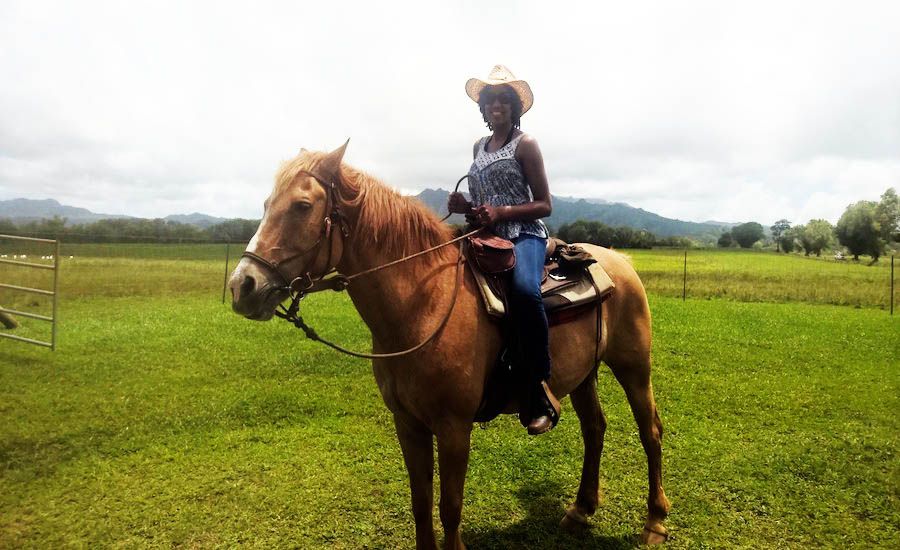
(306, 283)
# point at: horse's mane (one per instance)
(380, 216)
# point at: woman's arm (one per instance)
(529, 156)
(457, 203)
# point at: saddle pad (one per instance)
(592, 285)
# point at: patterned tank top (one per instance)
(498, 180)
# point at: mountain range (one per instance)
(565, 210)
(568, 209)
(28, 210)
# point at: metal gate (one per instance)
(54, 293)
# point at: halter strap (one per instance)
(334, 215)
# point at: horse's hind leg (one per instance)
(593, 427)
(632, 370)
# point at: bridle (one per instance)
(301, 286)
(333, 216)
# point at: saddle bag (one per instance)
(493, 254)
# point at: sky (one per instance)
(728, 111)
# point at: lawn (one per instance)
(765, 276)
(163, 419)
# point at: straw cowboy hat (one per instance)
(501, 75)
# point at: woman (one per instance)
(510, 194)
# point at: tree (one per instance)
(7, 226)
(859, 231)
(789, 239)
(887, 214)
(575, 232)
(779, 229)
(816, 236)
(236, 230)
(747, 233)
(581, 231)
(725, 240)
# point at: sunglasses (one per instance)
(506, 98)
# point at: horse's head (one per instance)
(297, 237)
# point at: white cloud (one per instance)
(699, 110)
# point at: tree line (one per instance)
(241, 230)
(866, 227)
(581, 231)
(132, 230)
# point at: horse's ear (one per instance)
(331, 164)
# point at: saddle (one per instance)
(573, 284)
(572, 278)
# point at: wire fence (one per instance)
(123, 270)
(765, 276)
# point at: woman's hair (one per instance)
(516, 105)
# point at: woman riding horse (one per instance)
(324, 214)
(510, 194)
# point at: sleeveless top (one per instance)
(498, 180)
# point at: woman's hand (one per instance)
(487, 215)
(457, 204)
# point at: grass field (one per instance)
(164, 419)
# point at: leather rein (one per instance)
(301, 286)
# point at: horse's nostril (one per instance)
(248, 285)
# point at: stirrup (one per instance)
(553, 401)
(551, 415)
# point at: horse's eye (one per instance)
(301, 206)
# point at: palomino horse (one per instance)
(324, 214)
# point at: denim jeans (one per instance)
(526, 306)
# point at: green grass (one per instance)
(765, 276)
(164, 420)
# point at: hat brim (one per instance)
(474, 86)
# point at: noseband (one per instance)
(306, 280)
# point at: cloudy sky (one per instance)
(730, 111)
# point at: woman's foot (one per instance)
(539, 425)
(547, 411)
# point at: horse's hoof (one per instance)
(655, 534)
(574, 520)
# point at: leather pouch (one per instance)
(493, 254)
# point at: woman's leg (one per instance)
(528, 316)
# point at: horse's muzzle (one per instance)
(253, 295)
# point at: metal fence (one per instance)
(20, 262)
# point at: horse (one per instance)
(324, 215)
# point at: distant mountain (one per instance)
(26, 210)
(196, 218)
(567, 210)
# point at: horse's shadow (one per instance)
(541, 529)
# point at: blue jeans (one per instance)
(526, 306)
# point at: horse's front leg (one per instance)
(418, 454)
(453, 460)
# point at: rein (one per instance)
(292, 312)
(303, 285)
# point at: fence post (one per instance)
(55, 294)
(684, 286)
(892, 284)
(225, 281)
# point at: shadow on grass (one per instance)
(541, 529)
